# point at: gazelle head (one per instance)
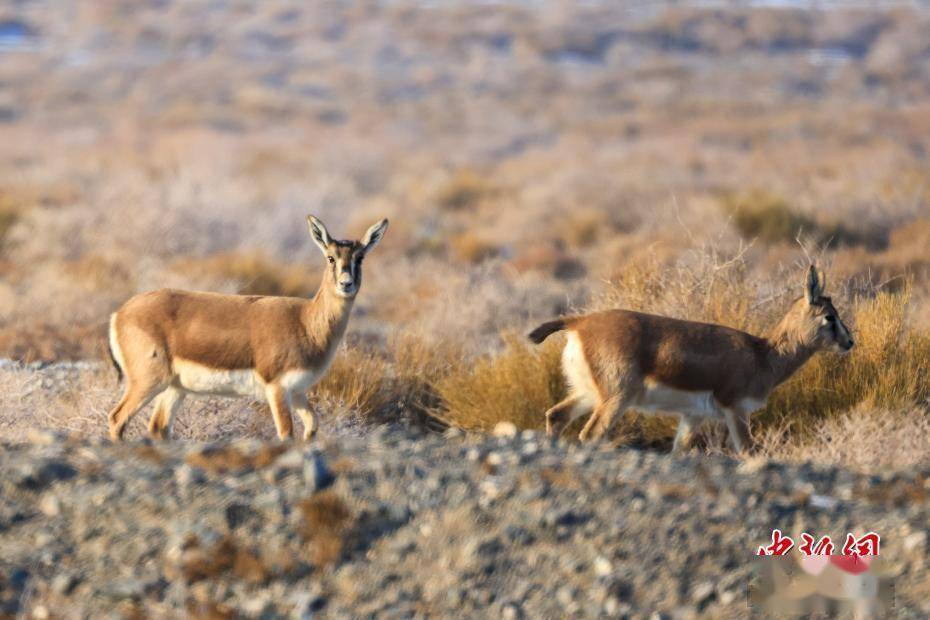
(344, 258)
(817, 322)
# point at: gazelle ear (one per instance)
(318, 233)
(373, 235)
(813, 289)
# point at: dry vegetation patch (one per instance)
(326, 522)
(515, 385)
(253, 273)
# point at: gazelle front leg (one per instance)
(307, 415)
(738, 425)
(279, 401)
(605, 416)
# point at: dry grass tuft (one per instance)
(516, 385)
(357, 380)
(326, 521)
(384, 386)
(866, 440)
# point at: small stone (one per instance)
(702, 592)
(602, 566)
(727, 597)
(43, 438)
(611, 606)
(50, 506)
(40, 612)
(915, 541)
(565, 596)
(317, 475)
(64, 583)
(505, 429)
(292, 459)
(185, 476)
(511, 611)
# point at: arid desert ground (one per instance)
(535, 159)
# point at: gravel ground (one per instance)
(394, 523)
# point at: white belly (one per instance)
(299, 381)
(658, 397)
(199, 379)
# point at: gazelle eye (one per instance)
(332, 261)
(830, 319)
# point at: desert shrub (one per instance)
(472, 248)
(254, 273)
(763, 216)
(464, 190)
(515, 385)
(97, 273)
(8, 218)
(582, 228)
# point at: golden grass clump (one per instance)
(516, 385)
(380, 387)
(357, 380)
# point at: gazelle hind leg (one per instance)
(559, 416)
(307, 415)
(166, 407)
(605, 416)
(137, 396)
(279, 401)
(684, 435)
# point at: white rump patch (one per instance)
(199, 379)
(577, 372)
(659, 397)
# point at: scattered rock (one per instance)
(505, 429)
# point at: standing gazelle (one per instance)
(170, 343)
(619, 359)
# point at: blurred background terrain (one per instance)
(534, 159)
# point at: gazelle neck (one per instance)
(788, 350)
(326, 315)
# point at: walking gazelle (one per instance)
(620, 359)
(170, 343)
